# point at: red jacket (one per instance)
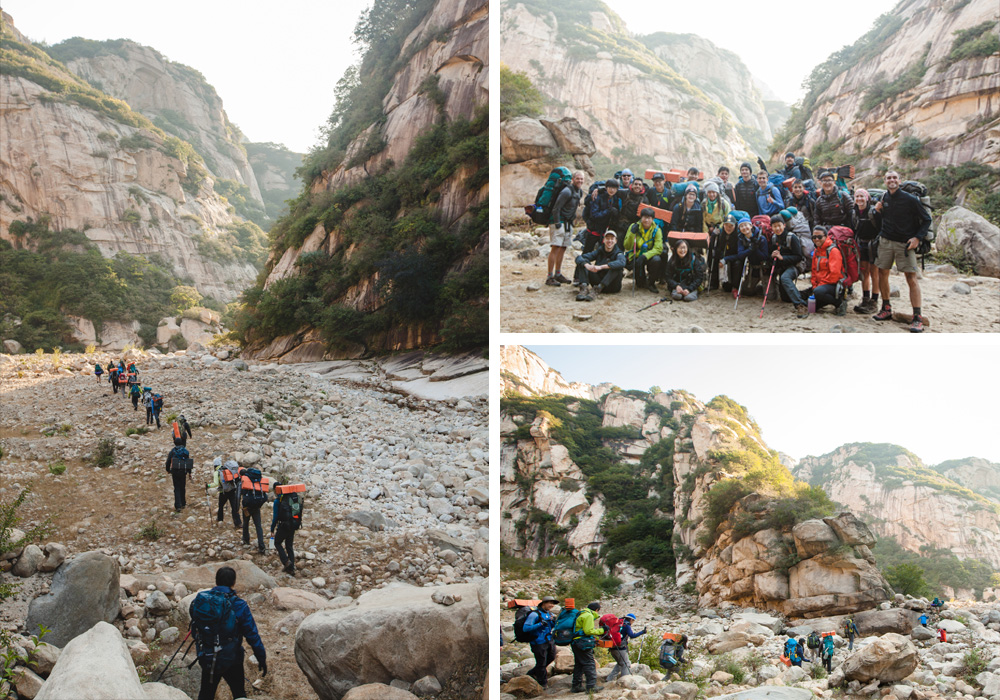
(827, 264)
(613, 625)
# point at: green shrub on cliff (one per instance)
(518, 96)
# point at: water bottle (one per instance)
(812, 304)
(270, 544)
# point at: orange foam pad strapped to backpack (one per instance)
(570, 603)
(605, 643)
(661, 214)
(693, 238)
(672, 636)
(521, 602)
(265, 484)
(789, 182)
(177, 431)
(290, 488)
(668, 175)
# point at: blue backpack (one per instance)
(565, 626)
(545, 199)
(214, 626)
(790, 648)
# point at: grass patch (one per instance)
(104, 455)
(57, 468)
(150, 532)
(136, 431)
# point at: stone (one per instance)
(877, 622)
(951, 626)
(290, 622)
(976, 237)
(378, 691)
(95, 665)
(528, 254)
(775, 624)
(522, 687)
(376, 522)
(888, 658)
(55, 555)
(686, 691)
(249, 577)
(84, 591)
(27, 563)
(814, 537)
(921, 633)
(524, 138)
(27, 682)
(428, 685)
(381, 617)
(170, 635)
(727, 641)
(157, 603)
(297, 599)
(12, 347)
(850, 529)
(961, 288)
(582, 317)
(44, 658)
(162, 691)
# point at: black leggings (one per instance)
(284, 537)
(233, 674)
(826, 295)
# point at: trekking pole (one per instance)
(739, 289)
(635, 242)
(767, 291)
(175, 654)
(660, 301)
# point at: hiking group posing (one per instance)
(764, 231)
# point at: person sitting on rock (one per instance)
(827, 273)
(724, 244)
(601, 268)
(827, 652)
(539, 623)
(685, 273)
(226, 661)
(643, 246)
(585, 635)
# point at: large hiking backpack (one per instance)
(519, 619)
(157, 402)
(790, 646)
(804, 167)
(762, 223)
(228, 476)
(598, 184)
(565, 626)
(181, 460)
(777, 180)
(290, 504)
(254, 487)
(668, 655)
(845, 241)
(813, 641)
(545, 199)
(919, 190)
(214, 625)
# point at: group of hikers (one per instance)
(124, 380)
(764, 231)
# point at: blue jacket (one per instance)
(756, 248)
(774, 207)
(627, 633)
(245, 624)
(540, 623)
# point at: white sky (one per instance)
(275, 65)
(780, 42)
(939, 402)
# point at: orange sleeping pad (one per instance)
(693, 238)
(661, 214)
(290, 488)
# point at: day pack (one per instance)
(290, 504)
(214, 625)
(565, 626)
(254, 487)
(762, 223)
(668, 655)
(519, 618)
(541, 211)
(813, 641)
(919, 190)
(845, 241)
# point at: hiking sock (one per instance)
(865, 295)
(886, 305)
(916, 312)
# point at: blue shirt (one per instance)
(540, 623)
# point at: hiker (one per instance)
(724, 244)
(635, 199)
(687, 215)
(561, 228)
(585, 635)
(905, 223)
(827, 273)
(658, 196)
(182, 431)
(813, 642)
(942, 634)
(868, 222)
(792, 651)
(799, 198)
(220, 621)
(157, 404)
(679, 190)
(643, 246)
(786, 257)
(923, 620)
(832, 206)
(113, 377)
(751, 253)
(623, 663)
(715, 209)
(612, 624)
(287, 521)
(850, 631)
(602, 214)
(769, 199)
(135, 393)
(800, 649)
(827, 652)
(603, 268)
(539, 623)
(253, 495)
(685, 273)
(98, 371)
(790, 169)
(225, 478)
(147, 402)
(626, 179)
(122, 383)
(179, 467)
(726, 188)
(746, 191)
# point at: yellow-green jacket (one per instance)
(586, 625)
(648, 242)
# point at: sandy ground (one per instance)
(552, 309)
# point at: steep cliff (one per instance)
(976, 474)
(83, 160)
(385, 247)
(274, 167)
(665, 483)
(926, 75)
(586, 63)
(892, 490)
(527, 374)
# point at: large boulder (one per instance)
(397, 632)
(12, 347)
(84, 591)
(877, 622)
(974, 236)
(814, 537)
(850, 529)
(162, 691)
(249, 577)
(524, 138)
(378, 691)
(96, 665)
(571, 137)
(890, 658)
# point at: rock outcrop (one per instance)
(974, 236)
(526, 373)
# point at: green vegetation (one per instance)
(912, 148)
(57, 468)
(136, 431)
(908, 579)
(239, 196)
(104, 455)
(265, 156)
(241, 242)
(518, 97)
(727, 664)
(183, 297)
(938, 568)
(882, 91)
(592, 584)
(978, 182)
(9, 519)
(974, 662)
(975, 42)
(150, 532)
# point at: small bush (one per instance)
(728, 664)
(57, 468)
(104, 456)
(912, 148)
(9, 519)
(150, 532)
(91, 349)
(975, 663)
(179, 341)
(131, 216)
(136, 431)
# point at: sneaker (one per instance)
(884, 315)
(801, 311)
(917, 325)
(552, 282)
(582, 296)
(561, 279)
(841, 308)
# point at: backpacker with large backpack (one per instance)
(812, 641)
(215, 628)
(545, 199)
(181, 461)
(255, 487)
(291, 501)
(919, 190)
(520, 617)
(846, 242)
(670, 656)
(804, 167)
(229, 476)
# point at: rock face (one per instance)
(907, 501)
(116, 182)
(387, 636)
(84, 592)
(590, 81)
(975, 236)
(974, 473)
(526, 373)
(953, 107)
(95, 665)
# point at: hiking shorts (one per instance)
(560, 235)
(868, 250)
(894, 251)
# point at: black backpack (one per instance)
(519, 618)
(290, 508)
(919, 190)
(813, 641)
(181, 461)
(256, 495)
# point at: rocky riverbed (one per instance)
(396, 476)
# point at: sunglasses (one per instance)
(818, 238)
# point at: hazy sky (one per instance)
(781, 42)
(947, 409)
(275, 65)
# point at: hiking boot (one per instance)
(585, 297)
(582, 296)
(841, 308)
(652, 287)
(562, 279)
(552, 282)
(917, 325)
(865, 307)
(596, 291)
(884, 315)
(261, 550)
(801, 311)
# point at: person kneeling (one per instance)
(643, 246)
(786, 256)
(827, 273)
(685, 273)
(602, 268)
